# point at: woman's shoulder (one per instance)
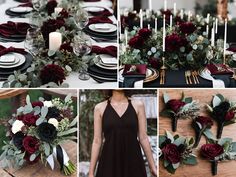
(100, 106)
(137, 103)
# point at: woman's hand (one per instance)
(90, 175)
(153, 172)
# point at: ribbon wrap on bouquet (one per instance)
(60, 154)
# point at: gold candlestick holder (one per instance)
(163, 63)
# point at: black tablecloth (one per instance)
(176, 79)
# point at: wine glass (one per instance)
(33, 41)
(82, 46)
(81, 19)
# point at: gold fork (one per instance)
(188, 73)
(194, 77)
(186, 77)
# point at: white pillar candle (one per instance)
(55, 41)
(225, 37)
(208, 18)
(216, 31)
(126, 37)
(164, 33)
(57, 10)
(171, 19)
(175, 9)
(189, 16)
(155, 25)
(150, 5)
(165, 5)
(182, 14)
(141, 18)
(149, 27)
(213, 35)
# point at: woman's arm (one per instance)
(143, 137)
(97, 139)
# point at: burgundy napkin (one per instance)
(214, 70)
(11, 28)
(110, 50)
(99, 20)
(139, 69)
(232, 49)
(4, 50)
(104, 13)
(92, 0)
(28, 4)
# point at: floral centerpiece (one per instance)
(182, 108)
(37, 132)
(176, 150)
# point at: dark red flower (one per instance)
(174, 42)
(175, 105)
(178, 20)
(66, 47)
(20, 117)
(37, 103)
(51, 6)
(171, 153)
(52, 73)
(167, 13)
(30, 119)
(64, 14)
(145, 33)
(229, 115)
(154, 62)
(210, 151)
(136, 42)
(187, 28)
(30, 144)
(204, 121)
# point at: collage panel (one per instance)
(177, 44)
(38, 133)
(58, 43)
(118, 133)
(196, 132)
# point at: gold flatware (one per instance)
(194, 77)
(188, 74)
(164, 76)
(161, 77)
(186, 77)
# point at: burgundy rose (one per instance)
(136, 42)
(187, 27)
(145, 33)
(175, 105)
(174, 42)
(66, 47)
(37, 103)
(178, 20)
(232, 49)
(64, 14)
(154, 62)
(30, 119)
(20, 117)
(30, 144)
(204, 121)
(229, 115)
(51, 6)
(171, 153)
(167, 13)
(210, 151)
(52, 73)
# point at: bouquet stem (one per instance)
(220, 129)
(214, 165)
(174, 123)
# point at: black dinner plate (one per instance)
(15, 14)
(95, 70)
(5, 72)
(102, 80)
(111, 36)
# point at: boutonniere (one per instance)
(222, 111)
(179, 109)
(215, 151)
(176, 150)
(201, 124)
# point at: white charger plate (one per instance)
(94, 9)
(106, 67)
(17, 60)
(19, 56)
(21, 9)
(98, 27)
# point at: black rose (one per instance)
(47, 132)
(53, 112)
(18, 139)
(220, 111)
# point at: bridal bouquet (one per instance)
(176, 109)
(37, 131)
(175, 151)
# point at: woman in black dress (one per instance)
(121, 122)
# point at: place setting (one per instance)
(187, 49)
(20, 10)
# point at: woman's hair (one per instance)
(108, 93)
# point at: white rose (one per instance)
(47, 103)
(54, 122)
(16, 126)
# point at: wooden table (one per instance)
(62, 93)
(39, 170)
(203, 168)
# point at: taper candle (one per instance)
(155, 25)
(182, 14)
(225, 37)
(171, 19)
(213, 35)
(126, 37)
(165, 5)
(55, 41)
(141, 18)
(175, 9)
(216, 31)
(150, 5)
(164, 33)
(208, 18)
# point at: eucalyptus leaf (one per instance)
(39, 121)
(176, 165)
(73, 123)
(166, 163)
(188, 100)
(67, 132)
(222, 141)
(46, 147)
(32, 157)
(170, 136)
(166, 97)
(68, 98)
(191, 160)
(44, 111)
(51, 53)
(179, 141)
(216, 101)
(209, 134)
